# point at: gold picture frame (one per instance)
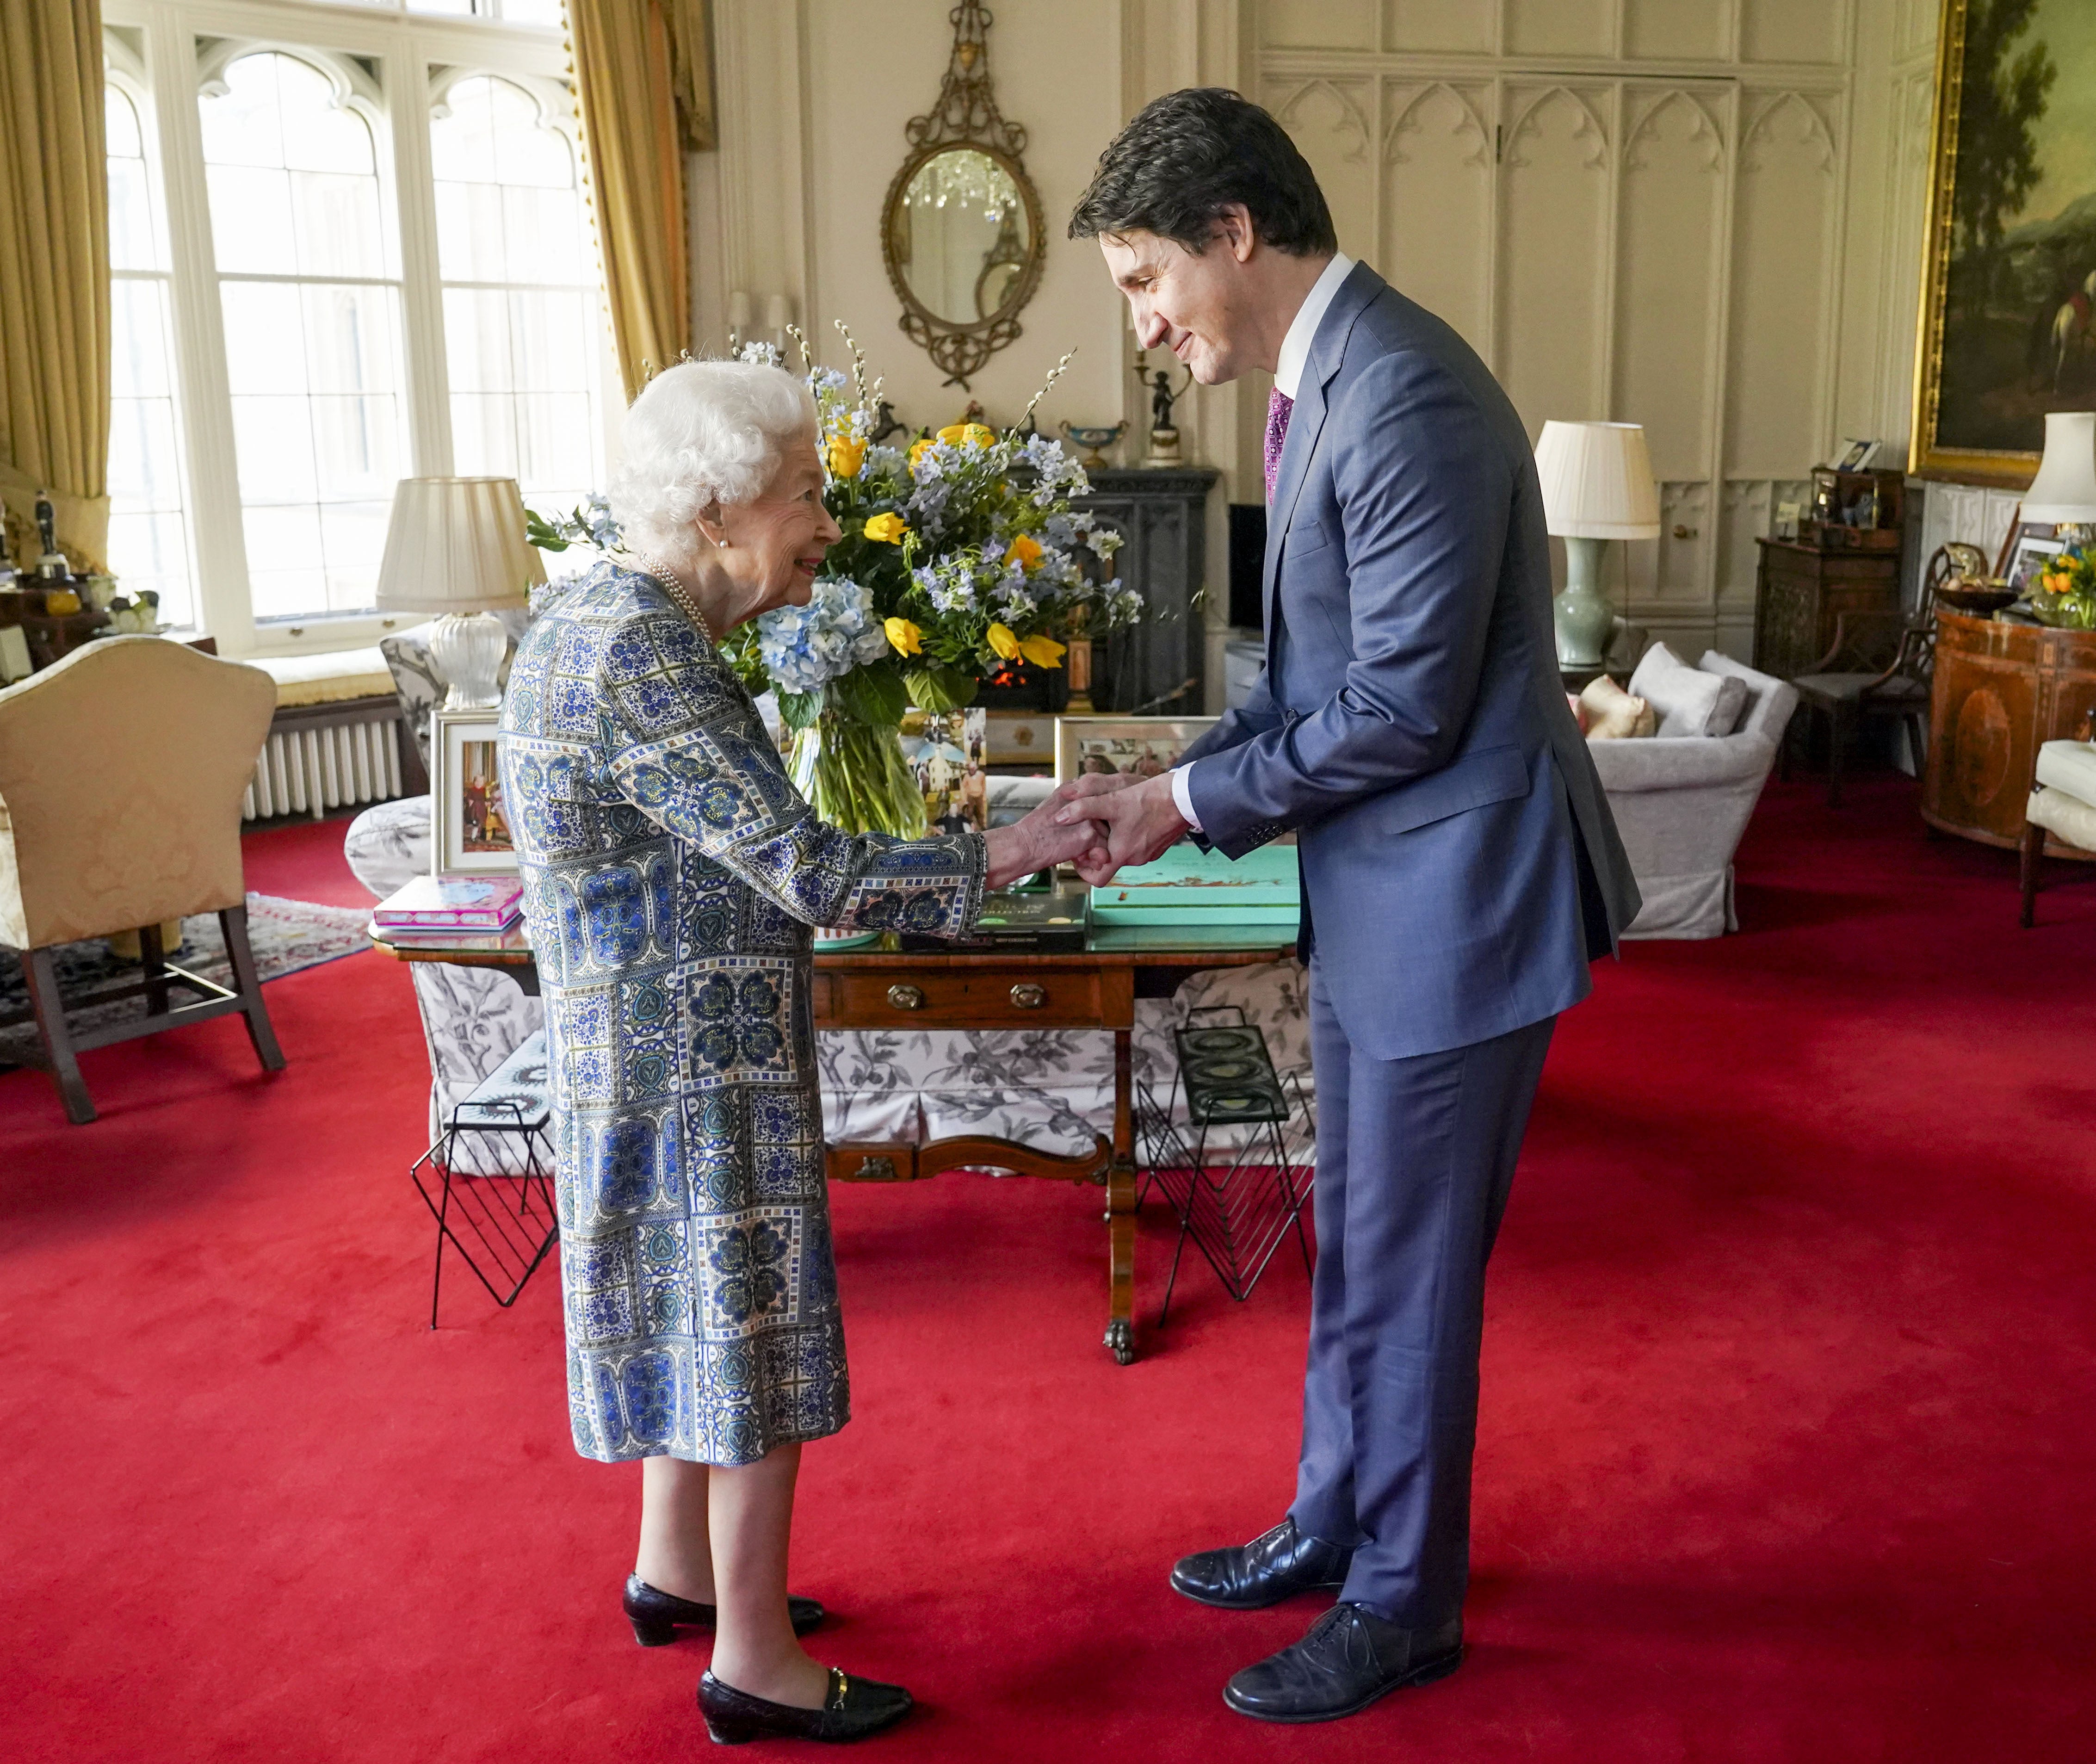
(1981, 365)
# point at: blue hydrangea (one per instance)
(805, 646)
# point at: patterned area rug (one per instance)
(286, 936)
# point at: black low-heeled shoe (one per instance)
(853, 1708)
(656, 1616)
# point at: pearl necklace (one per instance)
(653, 567)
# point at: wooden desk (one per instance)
(2001, 692)
(880, 987)
(1800, 593)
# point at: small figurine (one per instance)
(889, 424)
(1164, 433)
(52, 566)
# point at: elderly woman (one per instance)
(671, 872)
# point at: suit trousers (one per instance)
(1415, 1157)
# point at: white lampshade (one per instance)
(1597, 481)
(456, 545)
(2065, 488)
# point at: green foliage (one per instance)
(2000, 96)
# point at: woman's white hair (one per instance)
(702, 433)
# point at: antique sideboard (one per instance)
(1802, 592)
(2001, 692)
(1156, 667)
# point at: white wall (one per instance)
(1700, 215)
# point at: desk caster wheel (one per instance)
(1121, 1342)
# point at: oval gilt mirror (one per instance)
(962, 232)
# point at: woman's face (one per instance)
(775, 545)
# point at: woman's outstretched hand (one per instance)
(1040, 840)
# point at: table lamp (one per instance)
(2063, 493)
(455, 546)
(1597, 485)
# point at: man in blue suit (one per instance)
(1460, 867)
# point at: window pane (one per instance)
(523, 342)
(314, 361)
(148, 545)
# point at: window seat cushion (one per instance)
(329, 679)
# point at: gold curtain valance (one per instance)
(54, 350)
(643, 88)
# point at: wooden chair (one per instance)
(122, 772)
(1881, 665)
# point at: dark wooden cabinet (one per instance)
(1162, 519)
(1800, 593)
(2001, 692)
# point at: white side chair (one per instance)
(2063, 804)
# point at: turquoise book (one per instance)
(1188, 886)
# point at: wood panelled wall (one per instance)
(1702, 216)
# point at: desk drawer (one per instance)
(1022, 996)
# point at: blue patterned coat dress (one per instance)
(670, 874)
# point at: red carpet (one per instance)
(1786, 1453)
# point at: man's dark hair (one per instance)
(1188, 155)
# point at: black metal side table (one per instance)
(1235, 1214)
(490, 1177)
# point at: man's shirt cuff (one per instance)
(1182, 798)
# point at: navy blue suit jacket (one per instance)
(1460, 865)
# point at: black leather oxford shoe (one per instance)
(853, 1708)
(1276, 1566)
(656, 1617)
(1350, 1657)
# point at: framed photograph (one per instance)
(945, 749)
(2030, 556)
(1857, 455)
(469, 826)
(1143, 745)
(1788, 514)
(2009, 255)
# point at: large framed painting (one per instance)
(2008, 301)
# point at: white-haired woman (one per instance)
(671, 872)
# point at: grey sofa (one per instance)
(1682, 804)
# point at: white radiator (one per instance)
(310, 768)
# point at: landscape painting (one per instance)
(2009, 278)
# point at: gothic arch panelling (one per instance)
(1436, 191)
(1654, 110)
(1556, 225)
(1328, 121)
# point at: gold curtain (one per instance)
(54, 275)
(644, 88)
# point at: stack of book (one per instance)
(1188, 886)
(436, 907)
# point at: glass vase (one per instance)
(855, 776)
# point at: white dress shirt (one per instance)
(1287, 377)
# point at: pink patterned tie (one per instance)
(1278, 405)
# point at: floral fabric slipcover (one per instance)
(670, 874)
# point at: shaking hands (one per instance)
(1099, 824)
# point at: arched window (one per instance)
(311, 298)
(148, 533)
(522, 318)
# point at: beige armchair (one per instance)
(121, 769)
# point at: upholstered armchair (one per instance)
(122, 772)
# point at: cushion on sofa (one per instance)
(1689, 702)
(1612, 714)
(2068, 765)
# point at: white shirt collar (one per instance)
(1302, 331)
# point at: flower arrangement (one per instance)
(2064, 594)
(958, 555)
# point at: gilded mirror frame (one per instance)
(966, 116)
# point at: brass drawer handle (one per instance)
(1027, 995)
(906, 997)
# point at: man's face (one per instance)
(1195, 305)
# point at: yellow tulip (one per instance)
(1002, 640)
(1024, 551)
(903, 636)
(918, 450)
(846, 456)
(886, 528)
(1042, 651)
(966, 433)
